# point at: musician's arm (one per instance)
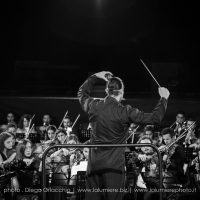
(10, 159)
(56, 153)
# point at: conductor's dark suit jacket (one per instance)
(109, 121)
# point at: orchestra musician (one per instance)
(195, 170)
(51, 139)
(80, 164)
(147, 161)
(3, 127)
(190, 136)
(173, 160)
(149, 131)
(68, 156)
(24, 124)
(51, 133)
(46, 121)
(110, 120)
(25, 152)
(133, 130)
(12, 128)
(57, 154)
(14, 141)
(145, 168)
(66, 125)
(180, 122)
(7, 156)
(11, 119)
(6, 146)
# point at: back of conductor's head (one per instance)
(115, 88)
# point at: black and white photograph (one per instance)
(99, 100)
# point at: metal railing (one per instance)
(99, 145)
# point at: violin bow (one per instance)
(172, 125)
(133, 133)
(63, 119)
(30, 122)
(29, 131)
(75, 120)
(180, 136)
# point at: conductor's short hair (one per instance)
(114, 85)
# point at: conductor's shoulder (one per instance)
(94, 103)
(126, 107)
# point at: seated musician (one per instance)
(46, 121)
(28, 174)
(144, 163)
(180, 122)
(157, 139)
(51, 133)
(192, 133)
(80, 164)
(3, 128)
(25, 153)
(67, 126)
(85, 153)
(11, 118)
(148, 131)
(50, 140)
(12, 128)
(24, 124)
(58, 156)
(149, 161)
(14, 141)
(133, 129)
(6, 146)
(7, 155)
(68, 156)
(173, 160)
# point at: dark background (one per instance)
(50, 47)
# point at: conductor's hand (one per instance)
(163, 92)
(104, 75)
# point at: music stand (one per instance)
(20, 135)
(34, 137)
(85, 134)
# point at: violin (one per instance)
(180, 127)
(78, 157)
(14, 165)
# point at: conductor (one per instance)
(109, 120)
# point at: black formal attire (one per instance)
(109, 121)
